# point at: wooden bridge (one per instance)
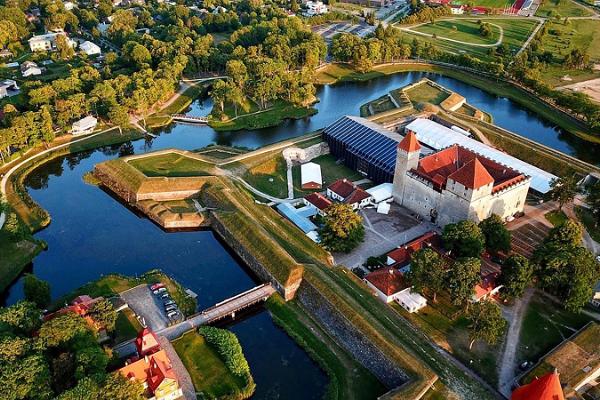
(189, 119)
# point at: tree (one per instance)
(593, 201)
(103, 313)
(342, 228)
(64, 48)
(15, 229)
(36, 290)
(427, 270)
(463, 239)
(516, 275)
(219, 93)
(22, 318)
(463, 275)
(497, 237)
(118, 115)
(563, 190)
(485, 322)
(26, 378)
(62, 329)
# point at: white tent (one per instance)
(439, 137)
(311, 176)
(381, 192)
(90, 48)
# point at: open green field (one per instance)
(16, 255)
(563, 8)
(171, 165)
(127, 326)
(545, 325)
(425, 93)
(209, 374)
(269, 177)
(460, 29)
(516, 32)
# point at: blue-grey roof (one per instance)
(296, 217)
(367, 140)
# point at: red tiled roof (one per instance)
(318, 200)
(545, 388)
(466, 167)
(342, 187)
(402, 254)
(146, 342)
(387, 280)
(152, 369)
(488, 284)
(409, 143)
(472, 175)
(356, 196)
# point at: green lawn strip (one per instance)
(545, 325)
(163, 117)
(270, 177)
(347, 378)
(563, 8)
(15, 256)
(331, 171)
(426, 93)
(587, 219)
(462, 30)
(556, 217)
(209, 374)
(171, 165)
(272, 116)
(127, 326)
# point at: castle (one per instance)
(455, 184)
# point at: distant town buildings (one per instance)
(47, 42)
(85, 125)
(90, 48)
(152, 367)
(315, 8)
(29, 68)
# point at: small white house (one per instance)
(7, 87)
(29, 68)
(345, 191)
(69, 5)
(90, 48)
(457, 9)
(310, 176)
(47, 42)
(85, 125)
(315, 8)
(389, 285)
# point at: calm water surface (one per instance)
(92, 234)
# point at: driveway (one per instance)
(383, 233)
(144, 304)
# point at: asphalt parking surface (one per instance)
(146, 305)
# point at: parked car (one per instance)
(168, 302)
(157, 286)
(160, 290)
(165, 296)
(173, 314)
(171, 307)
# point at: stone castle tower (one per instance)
(407, 158)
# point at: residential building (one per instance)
(389, 285)
(345, 191)
(578, 360)
(310, 176)
(487, 288)
(545, 388)
(381, 193)
(156, 374)
(146, 342)
(84, 125)
(400, 257)
(315, 8)
(457, 9)
(90, 48)
(456, 184)
(69, 5)
(369, 3)
(47, 41)
(5, 53)
(29, 68)
(319, 202)
(8, 87)
(301, 218)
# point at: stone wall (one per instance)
(110, 181)
(287, 291)
(299, 155)
(350, 338)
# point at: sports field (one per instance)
(462, 30)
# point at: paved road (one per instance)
(183, 376)
(143, 303)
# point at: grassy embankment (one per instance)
(171, 165)
(17, 255)
(209, 374)
(516, 31)
(163, 117)
(255, 118)
(556, 217)
(336, 72)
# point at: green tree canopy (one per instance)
(36, 290)
(61, 329)
(463, 275)
(21, 318)
(485, 322)
(497, 237)
(342, 228)
(516, 275)
(103, 312)
(463, 239)
(563, 190)
(427, 270)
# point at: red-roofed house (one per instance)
(400, 257)
(81, 306)
(345, 191)
(455, 184)
(545, 388)
(146, 342)
(389, 285)
(157, 375)
(487, 288)
(318, 201)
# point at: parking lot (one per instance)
(148, 306)
(328, 31)
(383, 233)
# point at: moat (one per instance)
(92, 233)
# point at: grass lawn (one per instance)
(275, 113)
(15, 257)
(270, 177)
(545, 325)
(171, 165)
(209, 374)
(425, 93)
(556, 217)
(330, 172)
(462, 30)
(564, 8)
(127, 326)
(379, 105)
(587, 219)
(347, 378)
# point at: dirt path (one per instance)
(514, 316)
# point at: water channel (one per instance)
(92, 234)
